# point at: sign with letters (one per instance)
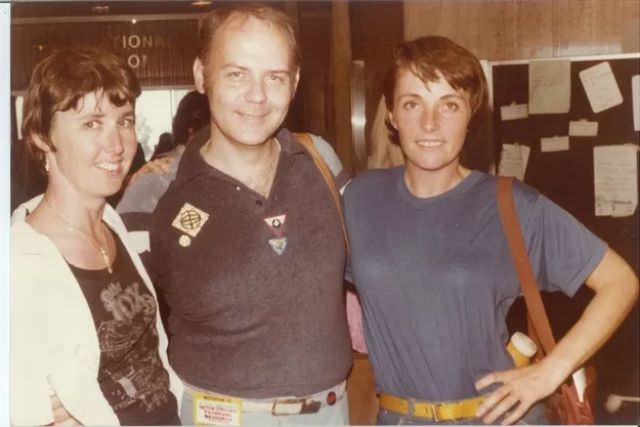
(160, 52)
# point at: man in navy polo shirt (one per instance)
(246, 244)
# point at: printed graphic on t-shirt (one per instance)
(133, 313)
(131, 374)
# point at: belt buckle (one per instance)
(295, 406)
(435, 412)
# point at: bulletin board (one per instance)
(567, 178)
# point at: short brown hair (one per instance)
(425, 57)
(61, 79)
(219, 16)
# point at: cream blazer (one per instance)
(53, 342)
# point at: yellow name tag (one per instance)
(214, 410)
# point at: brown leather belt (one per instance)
(441, 411)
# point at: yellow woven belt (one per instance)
(443, 411)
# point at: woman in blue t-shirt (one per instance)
(433, 270)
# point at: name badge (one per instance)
(214, 410)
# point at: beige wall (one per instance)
(519, 29)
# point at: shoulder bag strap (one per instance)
(307, 142)
(533, 300)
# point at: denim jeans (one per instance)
(535, 416)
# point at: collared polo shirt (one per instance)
(251, 316)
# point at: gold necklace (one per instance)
(77, 230)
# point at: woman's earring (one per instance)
(46, 164)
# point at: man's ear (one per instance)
(198, 75)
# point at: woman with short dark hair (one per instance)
(433, 270)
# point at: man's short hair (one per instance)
(219, 16)
(425, 57)
(62, 78)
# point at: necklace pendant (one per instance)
(105, 258)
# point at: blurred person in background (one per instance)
(385, 153)
(142, 193)
(164, 146)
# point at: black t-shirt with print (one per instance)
(131, 375)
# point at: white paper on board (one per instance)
(615, 175)
(549, 87)
(514, 112)
(601, 87)
(583, 128)
(513, 161)
(554, 143)
(635, 97)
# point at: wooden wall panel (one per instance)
(376, 28)
(519, 29)
(531, 29)
(314, 87)
(341, 76)
(499, 29)
(587, 27)
(630, 24)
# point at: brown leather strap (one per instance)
(537, 315)
(308, 144)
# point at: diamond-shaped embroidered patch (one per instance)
(190, 219)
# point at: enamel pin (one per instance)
(276, 224)
(190, 221)
(278, 245)
(184, 240)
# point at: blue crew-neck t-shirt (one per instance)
(436, 279)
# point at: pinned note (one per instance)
(601, 87)
(513, 161)
(549, 87)
(514, 112)
(635, 97)
(583, 128)
(555, 143)
(615, 175)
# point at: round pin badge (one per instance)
(331, 398)
(184, 240)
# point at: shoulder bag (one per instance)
(563, 406)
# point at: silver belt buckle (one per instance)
(295, 406)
